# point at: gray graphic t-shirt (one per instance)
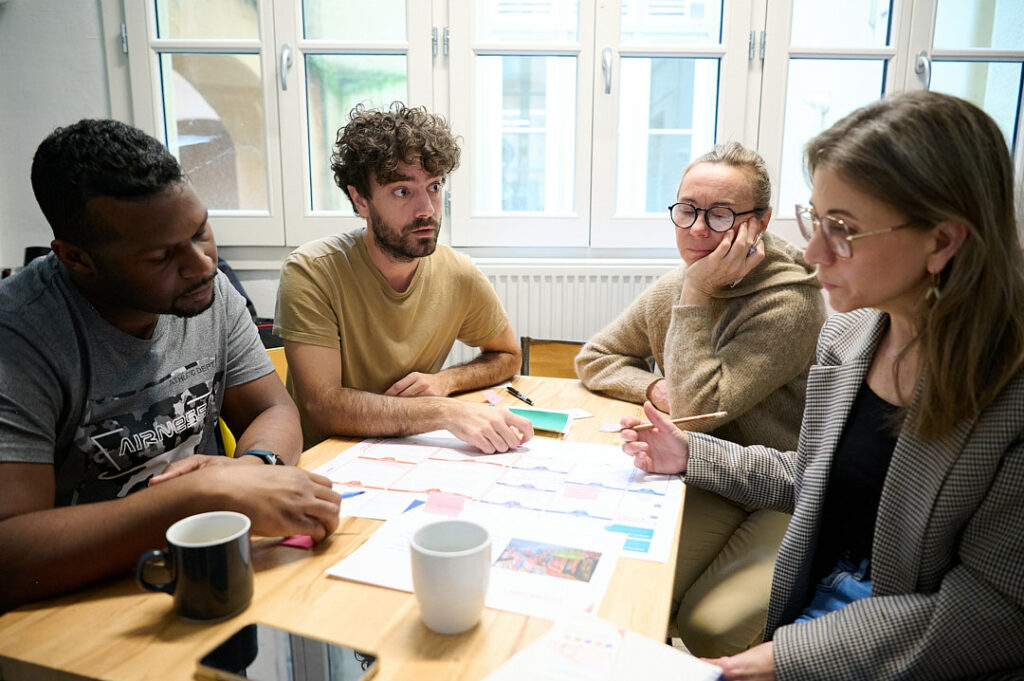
(109, 410)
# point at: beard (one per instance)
(182, 307)
(399, 244)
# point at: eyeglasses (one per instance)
(837, 233)
(718, 218)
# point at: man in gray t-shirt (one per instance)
(118, 352)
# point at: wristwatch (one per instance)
(266, 456)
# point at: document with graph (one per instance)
(564, 486)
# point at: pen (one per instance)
(518, 394)
(698, 417)
(349, 495)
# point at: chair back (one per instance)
(280, 363)
(549, 357)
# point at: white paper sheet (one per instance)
(577, 487)
(587, 648)
(532, 572)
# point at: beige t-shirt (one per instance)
(332, 295)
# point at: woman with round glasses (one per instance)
(904, 556)
(733, 329)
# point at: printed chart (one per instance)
(563, 486)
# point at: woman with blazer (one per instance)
(905, 555)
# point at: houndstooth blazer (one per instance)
(948, 551)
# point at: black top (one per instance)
(855, 483)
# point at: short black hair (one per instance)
(94, 158)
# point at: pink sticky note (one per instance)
(579, 491)
(610, 428)
(492, 397)
(299, 541)
(444, 503)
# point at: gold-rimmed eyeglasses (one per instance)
(837, 233)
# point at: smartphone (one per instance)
(260, 652)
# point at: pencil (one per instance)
(684, 419)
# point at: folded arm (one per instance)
(47, 550)
(316, 378)
(499, 359)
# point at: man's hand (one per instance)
(280, 500)
(657, 394)
(194, 463)
(756, 664)
(488, 429)
(662, 449)
(729, 262)
(417, 384)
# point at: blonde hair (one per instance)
(738, 156)
(938, 158)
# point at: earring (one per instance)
(933, 293)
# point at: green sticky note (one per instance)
(542, 419)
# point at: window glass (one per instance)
(203, 19)
(979, 23)
(667, 111)
(334, 84)
(819, 92)
(992, 86)
(214, 122)
(536, 21)
(671, 22)
(847, 24)
(525, 134)
(352, 20)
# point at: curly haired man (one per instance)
(368, 317)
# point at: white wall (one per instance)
(53, 73)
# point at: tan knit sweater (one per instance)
(747, 353)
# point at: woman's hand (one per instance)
(657, 394)
(729, 262)
(662, 449)
(756, 664)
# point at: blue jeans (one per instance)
(844, 585)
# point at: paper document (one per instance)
(570, 487)
(587, 648)
(533, 572)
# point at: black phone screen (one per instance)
(264, 653)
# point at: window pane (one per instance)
(334, 84)
(351, 20)
(224, 19)
(672, 22)
(525, 143)
(538, 21)
(214, 122)
(851, 23)
(992, 86)
(979, 23)
(667, 110)
(819, 93)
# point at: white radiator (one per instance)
(564, 299)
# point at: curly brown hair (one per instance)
(374, 142)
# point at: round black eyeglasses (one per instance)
(717, 218)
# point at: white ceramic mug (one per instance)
(451, 563)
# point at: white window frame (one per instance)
(234, 227)
(610, 228)
(470, 228)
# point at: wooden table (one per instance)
(117, 631)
